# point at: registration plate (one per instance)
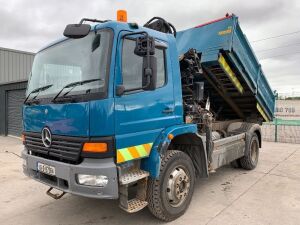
(50, 170)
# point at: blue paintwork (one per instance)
(139, 117)
(133, 119)
(94, 118)
(152, 163)
(206, 39)
(102, 121)
(62, 119)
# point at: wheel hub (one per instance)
(178, 186)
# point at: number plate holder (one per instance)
(46, 169)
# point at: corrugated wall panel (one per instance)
(1, 63)
(6, 67)
(15, 100)
(14, 65)
(11, 75)
(4, 89)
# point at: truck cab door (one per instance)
(141, 115)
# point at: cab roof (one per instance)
(117, 27)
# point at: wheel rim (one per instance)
(178, 186)
(254, 151)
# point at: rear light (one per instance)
(93, 147)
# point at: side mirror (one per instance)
(141, 47)
(149, 73)
(77, 30)
(145, 47)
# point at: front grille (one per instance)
(63, 148)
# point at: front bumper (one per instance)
(65, 179)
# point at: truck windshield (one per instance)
(73, 60)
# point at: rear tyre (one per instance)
(170, 195)
(250, 160)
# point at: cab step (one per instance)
(133, 176)
(134, 205)
(127, 182)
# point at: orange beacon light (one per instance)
(122, 15)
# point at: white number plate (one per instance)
(50, 170)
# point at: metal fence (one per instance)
(282, 131)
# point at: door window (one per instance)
(132, 66)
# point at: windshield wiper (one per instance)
(73, 85)
(37, 90)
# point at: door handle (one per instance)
(168, 110)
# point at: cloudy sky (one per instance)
(30, 24)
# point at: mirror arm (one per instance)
(148, 57)
(148, 70)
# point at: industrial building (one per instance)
(15, 67)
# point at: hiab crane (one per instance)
(137, 113)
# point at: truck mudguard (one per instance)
(152, 163)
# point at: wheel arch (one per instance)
(255, 129)
(248, 128)
(194, 146)
(178, 135)
(258, 133)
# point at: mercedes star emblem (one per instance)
(46, 137)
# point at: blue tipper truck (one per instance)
(137, 113)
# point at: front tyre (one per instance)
(170, 195)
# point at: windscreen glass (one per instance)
(70, 61)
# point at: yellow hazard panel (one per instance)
(230, 74)
(133, 152)
(262, 113)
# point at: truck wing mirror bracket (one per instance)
(145, 47)
(120, 90)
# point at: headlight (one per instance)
(92, 180)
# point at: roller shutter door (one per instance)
(15, 101)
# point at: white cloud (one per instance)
(29, 25)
